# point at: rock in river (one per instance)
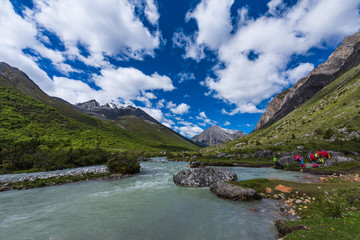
(203, 177)
(233, 192)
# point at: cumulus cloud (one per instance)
(189, 130)
(254, 59)
(214, 22)
(180, 109)
(120, 83)
(109, 27)
(204, 120)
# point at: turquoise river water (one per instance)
(146, 206)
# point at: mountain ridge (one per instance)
(345, 57)
(215, 135)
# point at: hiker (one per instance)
(300, 159)
(326, 154)
(320, 156)
(313, 159)
(274, 160)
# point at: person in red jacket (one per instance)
(313, 159)
(325, 154)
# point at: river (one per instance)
(146, 206)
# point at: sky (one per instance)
(190, 64)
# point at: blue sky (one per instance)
(189, 64)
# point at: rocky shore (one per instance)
(35, 176)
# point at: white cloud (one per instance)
(155, 113)
(109, 27)
(124, 83)
(192, 50)
(202, 114)
(205, 120)
(227, 123)
(189, 131)
(170, 105)
(151, 12)
(180, 109)
(253, 61)
(160, 103)
(185, 76)
(214, 22)
(293, 75)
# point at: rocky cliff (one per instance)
(215, 134)
(344, 58)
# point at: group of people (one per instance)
(314, 158)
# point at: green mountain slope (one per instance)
(40, 132)
(155, 134)
(329, 120)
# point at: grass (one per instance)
(333, 212)
(327, 228)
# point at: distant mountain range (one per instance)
(111, 111)
(215, 135)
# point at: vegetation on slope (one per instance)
(36, 135)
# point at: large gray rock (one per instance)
(336, 160)
(202, 177)
(285, 161)
(233, 192)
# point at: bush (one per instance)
(123, 164)
(328, 133)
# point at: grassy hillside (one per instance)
(36, 135)
(155, 134)
(329, 120)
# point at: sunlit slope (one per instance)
(155, 134)
(330, 119)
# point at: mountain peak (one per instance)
(215, 135)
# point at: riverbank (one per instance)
(33, 180)
(329, 207)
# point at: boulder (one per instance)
(233, 192)
(194, 157)
(283, 188)
(202, 177)
(336, 160)
(285, 161)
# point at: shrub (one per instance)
(123, 164)
(328, 133)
